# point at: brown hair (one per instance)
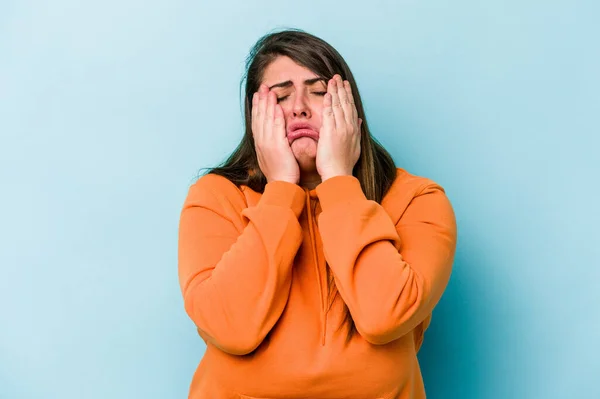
(375, 168)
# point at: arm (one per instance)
(391, 277)
(235, 263)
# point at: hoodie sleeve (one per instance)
(235, 263)
(390, 276)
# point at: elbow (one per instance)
(233, 338)
(239, 345)
(386, 324)
(232, 346)
(380, 325)
(379, 332)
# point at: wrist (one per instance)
(328, 175)
(285, 194)
(342, 190)
(284, 179)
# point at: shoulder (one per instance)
(405, 179)
(407, 184)
(407, 187)
(214, 190)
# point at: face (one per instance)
(300, 93)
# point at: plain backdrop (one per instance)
(108, 110)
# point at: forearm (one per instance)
(390, 276)
(237, 284)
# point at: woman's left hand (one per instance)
(338, 148)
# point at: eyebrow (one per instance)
(289, 83)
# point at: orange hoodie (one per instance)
(252, 269)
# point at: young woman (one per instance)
(308, 261)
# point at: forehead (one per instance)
(284, 68)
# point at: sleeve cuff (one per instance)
(339, 190)
(281, 193)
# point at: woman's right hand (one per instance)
(275, 157)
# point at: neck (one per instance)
(310, 180)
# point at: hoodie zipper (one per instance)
(313, 242)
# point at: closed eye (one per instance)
(318, 93)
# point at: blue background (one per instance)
(108, 110)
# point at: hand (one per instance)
(275, 157)
(338, 148)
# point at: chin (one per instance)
(305, 151)
(307, 164)
(304, 146)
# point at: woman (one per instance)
(309, 263)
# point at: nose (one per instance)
(301, 107)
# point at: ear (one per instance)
(359, 123)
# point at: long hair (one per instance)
(375, 168)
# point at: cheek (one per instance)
(287, 110)
(317, 113)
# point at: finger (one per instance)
(262, 109)
(254, 111)
(328, 122)
(346, 105)
(269, 115)
(338, 112)
(351, 99)
(279, 122)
